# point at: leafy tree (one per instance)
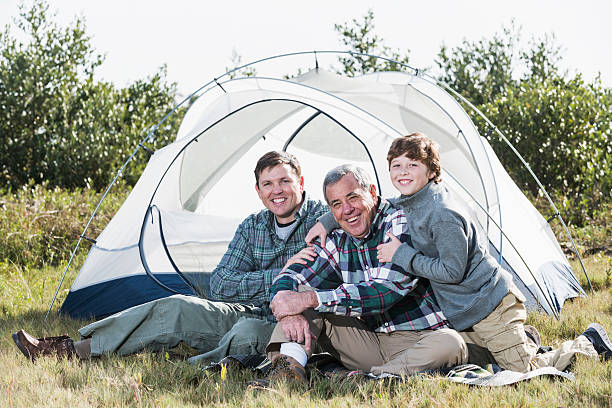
(479, 70)
(560, 124)
(562, 127)
(359, 37)
(57, 123)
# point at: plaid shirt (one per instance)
(351, 282)
(256, 255)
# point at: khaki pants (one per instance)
(350, 341)
(503, 334)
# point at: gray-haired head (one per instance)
(335, 174)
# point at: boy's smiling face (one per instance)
(407, 175)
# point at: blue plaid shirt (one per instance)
(351, 282)
(256, 255)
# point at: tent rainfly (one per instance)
(175, 225)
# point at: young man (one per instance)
(235, 323)
(370, 315)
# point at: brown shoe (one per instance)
(533, 334)
(283, 369)
(32, 348)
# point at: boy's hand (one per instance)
(386, 251)
(317, 230)
(302, 257)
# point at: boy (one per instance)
(476, 295)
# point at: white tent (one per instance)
(176, 223)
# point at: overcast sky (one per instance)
(196, 38)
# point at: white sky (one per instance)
(196, 38)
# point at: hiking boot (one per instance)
(283, 369)
(599, 338)
(533, 334)
(32, 348)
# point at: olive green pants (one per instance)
(216, 329)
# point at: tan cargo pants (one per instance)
(357, 347)
(503, 334)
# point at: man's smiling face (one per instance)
(353, 206)
(280, 190)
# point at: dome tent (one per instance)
(176, 223)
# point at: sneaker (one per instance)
(32, 348)
(599, 338)
(533, 334)
(283, 369)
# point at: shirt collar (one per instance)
(299, 214)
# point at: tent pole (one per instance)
(93, 214)
(518, 155)
(555, 314)
(86, 228)
(299, 129)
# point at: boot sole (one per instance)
(602, 335)
(21, 347)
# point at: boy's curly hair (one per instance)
(417, 146)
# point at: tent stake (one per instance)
(219, 85)
(146, 149)
(93, 241)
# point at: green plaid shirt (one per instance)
(256, 255)
(351, 282)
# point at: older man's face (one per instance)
(352, 206)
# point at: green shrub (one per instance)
(60, 126)
(40, 226)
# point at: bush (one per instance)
(559, 124)
(40, 226)
(60, 126)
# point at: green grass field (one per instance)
(28, 281)
(149, 379)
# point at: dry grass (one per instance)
(149, 379)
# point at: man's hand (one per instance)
(296, 329)
(317, 230)
(288, 302)
(386, 251)
(302, 257)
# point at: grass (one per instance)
(150, 379)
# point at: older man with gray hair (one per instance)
(372, 317)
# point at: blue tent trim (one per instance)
(559, 283)
(110, 297)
